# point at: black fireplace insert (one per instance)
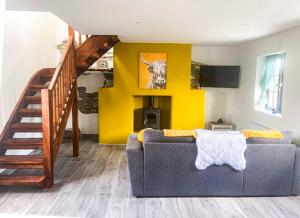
(152, 115)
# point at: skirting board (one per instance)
(90, 137)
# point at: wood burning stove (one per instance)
(152, 115)
(152, 118)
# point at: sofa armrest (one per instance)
(135, 157)
(296, 182)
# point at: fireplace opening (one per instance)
(151, 115)
(152, 112)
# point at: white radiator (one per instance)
(258, 126)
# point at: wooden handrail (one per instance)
(72, 33)
(57, 102)
(62, 62)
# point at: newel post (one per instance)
(75, 125)
(47, 120)
(71, 31)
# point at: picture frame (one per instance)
(152, 70)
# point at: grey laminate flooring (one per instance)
(98, 185)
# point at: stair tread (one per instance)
(46, 78)
(26, 127)
(33, 99)
(30, 112)
(22, 146)
(47, 75)
(21, 162)
(21, 159)
(23, 143)
(22, 180)
(29, 125)
(49, 72)
(30, 109)
(38, 87)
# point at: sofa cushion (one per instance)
(153, 135)
(287, 139)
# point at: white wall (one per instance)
(30, 40)
(244, 113)
(2, 18)
(237, 105)
(219, 101)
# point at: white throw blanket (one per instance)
(220, 147)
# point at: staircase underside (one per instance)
(93, 49)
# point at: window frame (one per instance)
(277, 110)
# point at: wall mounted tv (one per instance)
(219, 76)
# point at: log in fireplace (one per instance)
(151, 115)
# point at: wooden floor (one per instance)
(97, 185)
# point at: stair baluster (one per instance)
(57, 102)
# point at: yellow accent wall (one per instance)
(116, 104)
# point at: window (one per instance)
(269, 83)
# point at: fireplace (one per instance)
(152, 118)
(152, 115)
(151, 112)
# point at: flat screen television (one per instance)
(220, 76)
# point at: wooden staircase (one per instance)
(39, 119)
(28, 108)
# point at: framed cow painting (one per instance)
(152, 70)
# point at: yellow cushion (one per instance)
(141, 135)
(178, 133)
(269, 134)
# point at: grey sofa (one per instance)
(164, 166)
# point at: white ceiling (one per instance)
(205, 22)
